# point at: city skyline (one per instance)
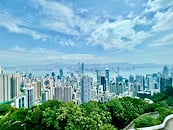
(64, 31)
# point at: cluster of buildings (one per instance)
(25, 90)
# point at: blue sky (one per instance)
(90, 31)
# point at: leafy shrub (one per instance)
(107, 127)
(146, 121)
(4, 108)
(164, 112)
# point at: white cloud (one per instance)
(156, 5)
(163, 21)
(10, 23)
(62, 18)
(119, 34)
(131, 15)
(35, 34)
(55, 9)
(58, 18)
(81, 10)
(163, 40)
(59, 26)
(16, 25)
(67, 42)
(142, 20)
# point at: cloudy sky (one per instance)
(90, 31)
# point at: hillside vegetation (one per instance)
(58, 115)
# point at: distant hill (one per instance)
(111, 66)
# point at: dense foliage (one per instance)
(165, 96)
(4, 109)
(57, 115)
(150, 120)
(146, 121)
(124, 110)
(117, 113)
(163, 103)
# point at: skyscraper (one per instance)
(39, 85)
(20, 102)
(103, 83)
(120, 88)
(107, 74)
(59, 93)
(30, 97)
(141, 81)
(45, 95)
(165, 70)
(131, 79)
(83, 68)
(107, 78)
(85, 89)
(61, 73)
(149, 82)
(1, 70)
(98, 72)
(15, 85)
(165, 82)
(67, 93)
(52, 82)
(119, 79)
(1, 88)
(37, 90)
(5, 87)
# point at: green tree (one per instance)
(107, 127)
(125, 109)
(5, 108)
(97, 111)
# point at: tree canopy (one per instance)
(58, 115)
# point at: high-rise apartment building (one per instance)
(15, 85)
(1, 70)
(107, 74)
(52, 82)
(83, 69)
(45, 95)
(140, 80)
(103, 83)
(39, 86)
(119, 79)
(37, 90)
(107, 78)
(61, 73)
(165, 70)
(120, 87)
(131, 79)
(165, 82)
(20, 102)
(85, 88)
(98, 72)
(59, 93)
(29, 97)
(67, 93)
(5, 87)
(63, 93)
